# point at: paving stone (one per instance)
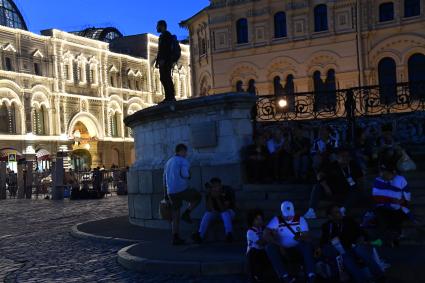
(36, 245)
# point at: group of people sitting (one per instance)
(286, 154)
(292, 153)
(344, 243)
(285, 244)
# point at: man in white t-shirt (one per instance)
(176, 181)
(288, 232)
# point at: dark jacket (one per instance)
(227, 195)
(165, 47)
(348, 232)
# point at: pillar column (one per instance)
(29, 168)
(58, 177)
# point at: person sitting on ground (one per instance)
(276, 151)
(343, 236)
(288, 234)
(220, 203)
(256, 161)
(340, 181)
(323, 147)
(300, 152)
(392, 196)
(176, 181)
(256, 254)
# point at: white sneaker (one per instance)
(342, 211)
(310, 214)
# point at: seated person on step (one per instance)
(340, 181)
(287, 234)
(220, 203)
(256, 254)
(343, 237)
(392, 196)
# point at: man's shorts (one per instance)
(189, 195)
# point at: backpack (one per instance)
(176, 51)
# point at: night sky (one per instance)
(129, 16)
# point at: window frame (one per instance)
(280, 25)
(416, 3)
(242, 31)
(321, 22)
(382, 13)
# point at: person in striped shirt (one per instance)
(392, 197)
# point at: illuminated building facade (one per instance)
(274, 46)
(71, 91)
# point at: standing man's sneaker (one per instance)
(229, 238)
(177, 241)
(186, 216)
(310, 214)
(196, 237)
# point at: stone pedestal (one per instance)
(215, 129)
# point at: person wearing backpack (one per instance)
(169, 53)
(287, 234)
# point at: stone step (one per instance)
(274, 204)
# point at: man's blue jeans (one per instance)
(275, 257)
(349, 258)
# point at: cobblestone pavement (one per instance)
(36, 245)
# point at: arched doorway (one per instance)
(115, 160)
(81, 160)
(132, 156)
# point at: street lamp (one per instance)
(282, 103)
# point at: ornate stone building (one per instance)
(71, 91)
(274, 46)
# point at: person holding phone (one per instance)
(220, 204)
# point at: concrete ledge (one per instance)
(76, 233)
(199, 265)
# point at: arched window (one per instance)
(289, 91)
(320, 18)
(289, 85)
(412, 8)
(39, 126)
(115, 158)
(280, 25)
(416, 66)
(114, 124)
(203, 47)
(278, 89)
(239, 86)
(317, 80)
(387, 74)
(4, 119)
(386, 12)
(242, 31)
(319, 87)
(330, 85)
(252, 89)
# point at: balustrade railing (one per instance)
(345, 103)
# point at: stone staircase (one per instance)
(269, 197)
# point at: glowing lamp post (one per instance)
(282, 103)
